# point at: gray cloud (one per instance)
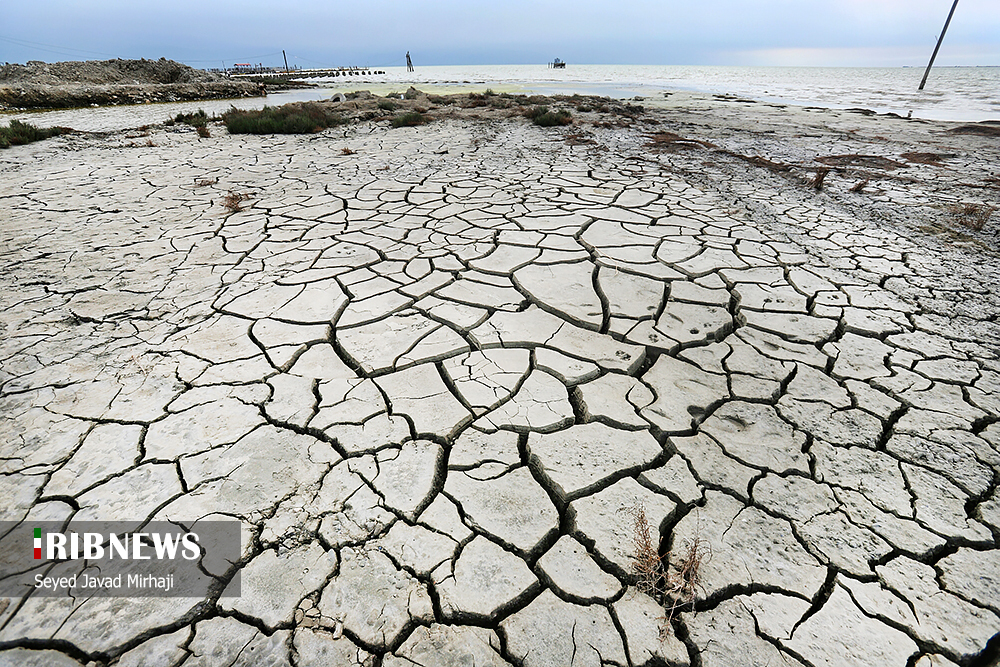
(847, 32)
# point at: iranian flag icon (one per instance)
(38, 543)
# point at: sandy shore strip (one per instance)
(446, 376)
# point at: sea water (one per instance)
(951, 93)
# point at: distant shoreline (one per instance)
(958, 94)
(99, 83)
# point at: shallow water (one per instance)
(107, 119)
(952, 93)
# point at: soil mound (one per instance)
(119, 71)
(107, 82)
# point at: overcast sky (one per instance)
(207, 33)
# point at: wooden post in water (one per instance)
(409, 63)
(940, 39)
(286, 59)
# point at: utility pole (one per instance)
(940, 39)
(286, 57)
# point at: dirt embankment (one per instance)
(39, 85)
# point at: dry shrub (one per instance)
(647, 565)
(684, 575)
(346, 151)
(817, 182)
(205, 182)
(234, 201)
(672, 580)
(668, 141)
(579, 139)
(986, 128)
(292, 118)
(409, 119)
(974, 216)
(855, 160)
(934, 159)
(203, 131)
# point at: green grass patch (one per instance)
(409, 119)
(18, 133)
(197, 119)
(303, 118)
(540, 115)
(387, 105)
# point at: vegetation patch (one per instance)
(867, 161)
(630, 110)
(973, 216)
(987, 128)
(18, 133)
(473, 100)
(197, 119)
(234, 201)
(934, 159)
(580, 139)
(299, 118)
(409, 119)
(540, 115)
(673, 580)
(668, 141)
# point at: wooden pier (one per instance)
(335, 72)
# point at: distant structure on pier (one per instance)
(557, 64)
(257, 72)
(409, 63)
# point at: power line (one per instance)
(52, 48)
(252, 58)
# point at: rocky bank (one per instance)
(39, 85)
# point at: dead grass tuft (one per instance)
(346, 151)
(668, 141)
(234, 201)
(580, 139)
(855, 160)
(672, 580)
(647, 565)
(934, 159)
(817, 182)
(684, 576)
(973, 216)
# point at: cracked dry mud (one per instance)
(430, 378)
